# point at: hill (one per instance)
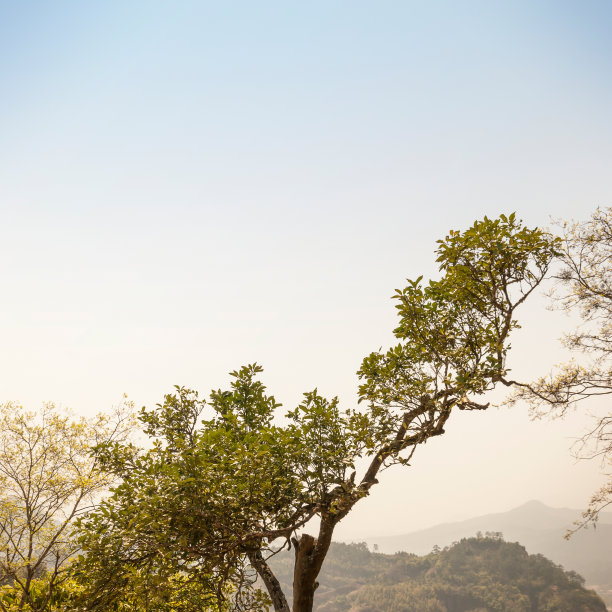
(539, 528)
(482, 574)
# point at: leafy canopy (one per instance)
(224, 483)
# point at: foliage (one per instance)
(224, 481)
(198, 501)
(584, 284)
(47, 478)
(454, 332)
(58, 598)
(176, 594)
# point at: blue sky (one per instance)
(189, 186)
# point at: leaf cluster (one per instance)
(454, 332)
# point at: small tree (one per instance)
(47, 478)
(584, 284)
(224, 486)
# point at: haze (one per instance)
(189, 187)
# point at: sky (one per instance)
(187, 187)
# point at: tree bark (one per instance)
(309, 556)
(269, 579)
(303, 575)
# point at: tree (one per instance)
(47, 478)
(584, 284)
(224, 485)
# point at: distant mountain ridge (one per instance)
(539, 528)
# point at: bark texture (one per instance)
(269, 579)
(309, 556)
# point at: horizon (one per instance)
(605, 519)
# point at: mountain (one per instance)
(483, 574)
(539, 528)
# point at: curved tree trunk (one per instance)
(269, 579)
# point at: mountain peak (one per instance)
(534, 503)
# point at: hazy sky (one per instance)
(186, 187)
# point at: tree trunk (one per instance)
(309, 557)
(269, 579)
(304, 576)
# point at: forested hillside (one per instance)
(482, 574)
(539, 528)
